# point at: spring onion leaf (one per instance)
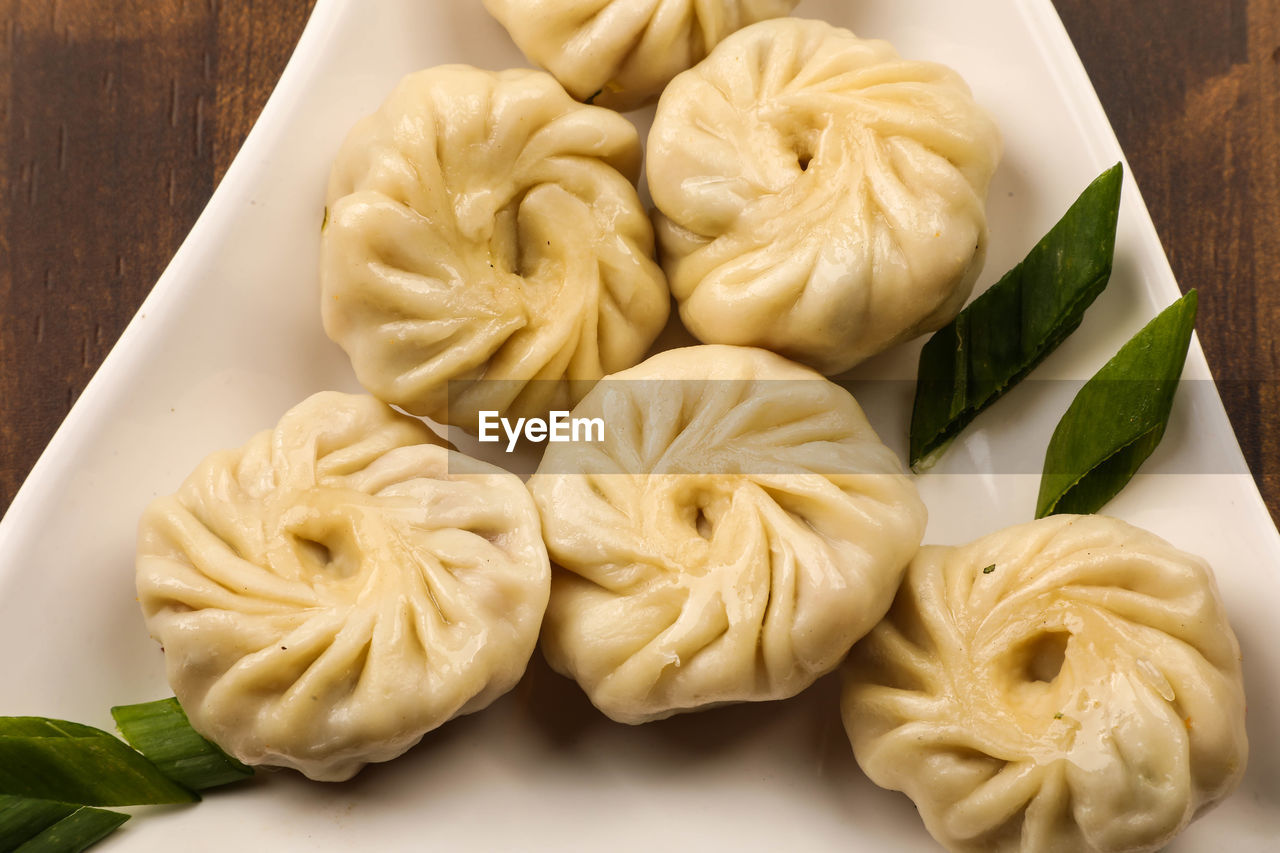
(1118, 418)
(1004, 333)
(161, 732)
(68, 762)
(53, 771)
(41, 826)
(22, 819)
(78, 831)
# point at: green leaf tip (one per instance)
(73, 763)
(41, 826)
(160, 731)
(52, 773)
(1016, 323)
(1118, 418)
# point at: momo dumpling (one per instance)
(1065, 686)
(819, 196)
(339, 586)
(737, 529)
(485, 249)
(621, 53)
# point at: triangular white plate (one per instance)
(230, 338)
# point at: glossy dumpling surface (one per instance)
(339, 586)
(485, 249)
(1070, 684)
(621, 53)
(820, 196)
(738, 528)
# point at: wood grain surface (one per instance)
(118, 118)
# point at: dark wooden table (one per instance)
(118, 118)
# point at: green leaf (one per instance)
(82, 829)
(45, 727)
(1118, 418)
(1004, 333)
(160, 731)
(42, 826)
(49, 768)
(68, 762)
(22, 819)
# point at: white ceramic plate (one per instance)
(231, 338)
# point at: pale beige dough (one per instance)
(1069, 685)
(740, 526)
(818, 195)
(621, 53)
(339, 586)
(485, 249)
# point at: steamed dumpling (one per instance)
(339, 586)
(1066, 685)
(819, 195)
(485, 248)
(621, 53)
(738, 528)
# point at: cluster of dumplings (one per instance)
(347, 582)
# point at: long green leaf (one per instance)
(78, 831)
(160, 731)
(1118, 418)
(22, 819)
(42, 826)
(72, 763)
(46, 727)
(1004, 333)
